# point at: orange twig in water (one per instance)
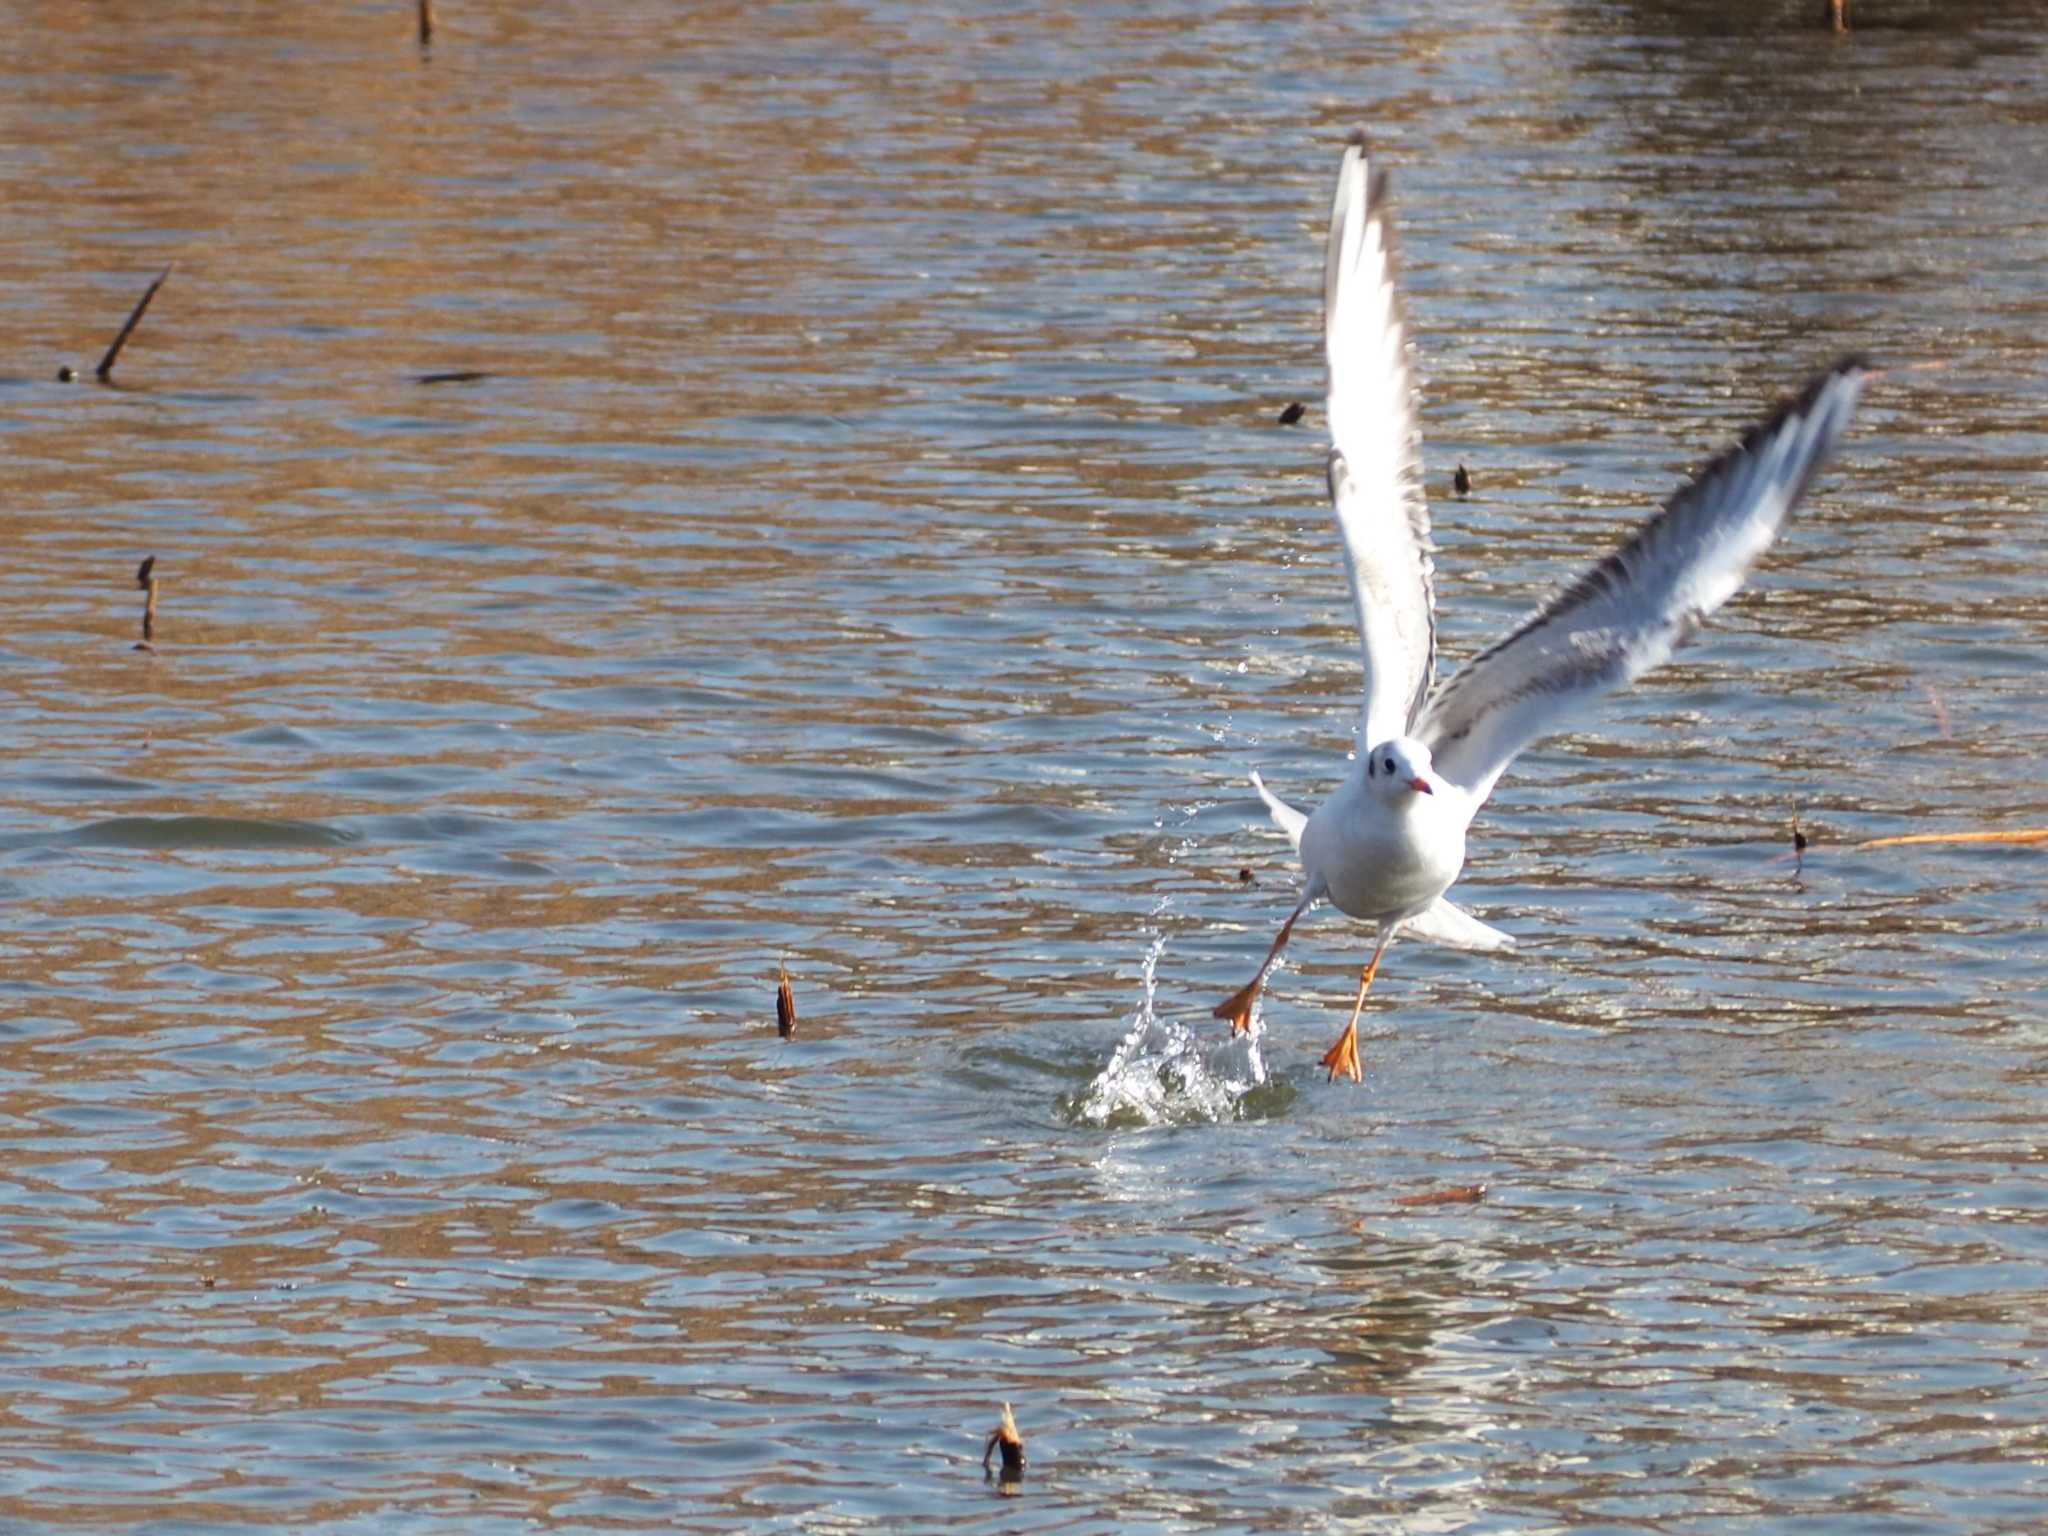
(1462, 1194)
(2020, 835)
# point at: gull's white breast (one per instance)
(1381, 862)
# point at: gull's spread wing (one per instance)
(1376, 453)
(1633, 609)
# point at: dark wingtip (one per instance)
(1375, 173)
(1847, 366)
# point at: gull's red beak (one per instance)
(1420, 785)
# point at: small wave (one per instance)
(1162, 1072)
(205, 832)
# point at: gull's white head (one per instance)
(1396, 769)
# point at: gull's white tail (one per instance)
(1442, 923)
(1285, 816)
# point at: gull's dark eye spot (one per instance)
(1390, 765)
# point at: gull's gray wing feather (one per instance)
(1632, 610)
(1375, 464)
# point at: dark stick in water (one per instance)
(106, 368)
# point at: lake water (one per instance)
(871, 547)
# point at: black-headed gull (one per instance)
(1387, 845)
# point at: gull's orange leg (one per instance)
(1238, 1006)
(1343, 1056)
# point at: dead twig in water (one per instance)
(145, 578)
(785, 1003)
(2018, 835)
(105, 372)
(1461, 1194)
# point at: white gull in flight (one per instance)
(1387, 845)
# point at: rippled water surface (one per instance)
(863, 540)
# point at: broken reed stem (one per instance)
(785, 1003)
(1004, 1437)
(145, 578)
(106, 368)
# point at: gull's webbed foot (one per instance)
(1238, 1007)
(1343, 1056)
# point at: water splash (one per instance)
(1162, 1072)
